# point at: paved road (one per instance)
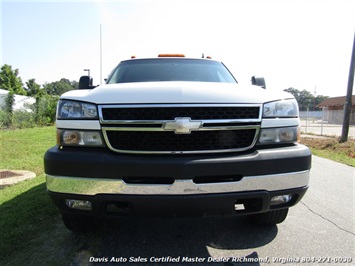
(320, 227)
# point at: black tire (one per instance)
(79, 223)
(269, 218)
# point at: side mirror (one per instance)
(258, 81)
(85, 83)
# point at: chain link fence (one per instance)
(325, 122)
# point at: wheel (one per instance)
(79, 223)
(269, 218)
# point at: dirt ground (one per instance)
(330, 144)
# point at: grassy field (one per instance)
(31, 230)
(23, 149)
(331, 148)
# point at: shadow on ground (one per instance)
(153, 240)
(33, 226)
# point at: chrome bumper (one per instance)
(94, 186)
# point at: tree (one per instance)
(9, 108)
(320, 98)
(294, 92)
(33, 89)
(60, 87)
(305, 99)
(10, 81)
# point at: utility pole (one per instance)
(100, 55)
(315, 97)
(348, 103)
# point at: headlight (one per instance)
(283, 108)
(76, 110)
(72, 137)
(279, 135)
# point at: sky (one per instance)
(304, 44)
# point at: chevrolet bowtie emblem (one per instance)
(182, 125)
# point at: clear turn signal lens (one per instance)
(278, 135)
(92, 138)
(286, 134)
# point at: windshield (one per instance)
(148, 70)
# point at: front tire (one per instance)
(269, 218)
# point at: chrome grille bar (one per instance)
(240, 133)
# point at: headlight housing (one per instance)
(67, 109)
(279, 135)
(72, 137)
(282, 108)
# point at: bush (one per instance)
(22, 119)
(45, 110)
(9, 108)
(3, 118)
(42, 114)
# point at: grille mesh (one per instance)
(169, 141)
(170, 113)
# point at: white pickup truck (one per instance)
(175, 136)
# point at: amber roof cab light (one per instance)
(171, 55)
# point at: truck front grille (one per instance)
(170, 113)
(176, 129)
(160, 141)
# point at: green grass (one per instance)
(330, 148)
(25, 208)
(23, 149)
(334, 156)
(31, 229)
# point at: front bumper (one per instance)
(95, 186)
(105, 164)
(186, 185)
(191, 205)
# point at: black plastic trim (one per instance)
(201, 205)
(102, 163)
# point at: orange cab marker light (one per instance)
(171, 55)
(208, 57)
(133, 56)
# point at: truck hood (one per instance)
(175, 92)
